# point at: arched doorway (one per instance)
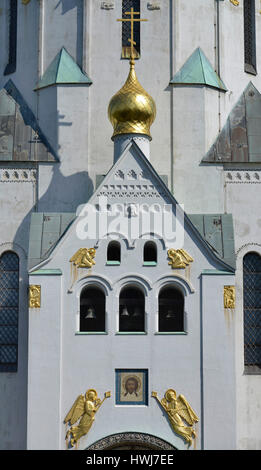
(131, 441)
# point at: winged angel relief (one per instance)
(178, 411)
(83, 409)
(83, 258)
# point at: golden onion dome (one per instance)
(132, 110)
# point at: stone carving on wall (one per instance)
(107, 5)
(18, 175)
(131, 439)
(179, 258)
(34, 296)
(229, 297)
(83, 410)
(131, 191)
(243, 176)
(154, 5)
(178, 410)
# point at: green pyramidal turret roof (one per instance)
(197, 70)
(63, 69)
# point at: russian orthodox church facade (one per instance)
(130, 252)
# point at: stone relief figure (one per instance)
(83, 409)
(178, 411)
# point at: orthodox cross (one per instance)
(132, 19)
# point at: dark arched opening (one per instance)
(92, 309)
(171, 309)
(131, 310)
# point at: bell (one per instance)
(90, 313)
(137, 312)
(170, 314)
(125, 312)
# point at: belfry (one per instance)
(130, 266)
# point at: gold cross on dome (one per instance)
(132, 20)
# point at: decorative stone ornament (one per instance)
(34, 296)
(154, 5)
(107, 5)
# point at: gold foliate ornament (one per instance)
(178, 411)
(34, 296)
(179, 258)
(234, 2)
(83, 409)
(229, 297)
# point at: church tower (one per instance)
(129, 256)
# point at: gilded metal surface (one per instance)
(83, 258)
(34, 296)
(178, 411)
(132, 110)
(229, 296)
(234, 2)
(179, 258)
(83, 410)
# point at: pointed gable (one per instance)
(240, 138)
(63, 69)
(132, 180)
(197, 70)
(21, 138)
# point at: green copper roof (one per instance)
(197, 70)
(63, 69)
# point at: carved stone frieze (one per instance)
(243, 176)
(132, 439)
(18, 175)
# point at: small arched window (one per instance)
(92, 310)
(150, 253)
(171, 309)
(132, 310)
(252, 309)
(114, 253)
(9, 309)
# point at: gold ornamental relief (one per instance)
(178, 410)
(179, 259)
(83, 258)
(34, 296)
(229, 297)
(234, 2)
(83, 411)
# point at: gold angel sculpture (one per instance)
(83, 258)
(83, 409)
(178, 411)
(179, 258)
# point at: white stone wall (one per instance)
(187, 122)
